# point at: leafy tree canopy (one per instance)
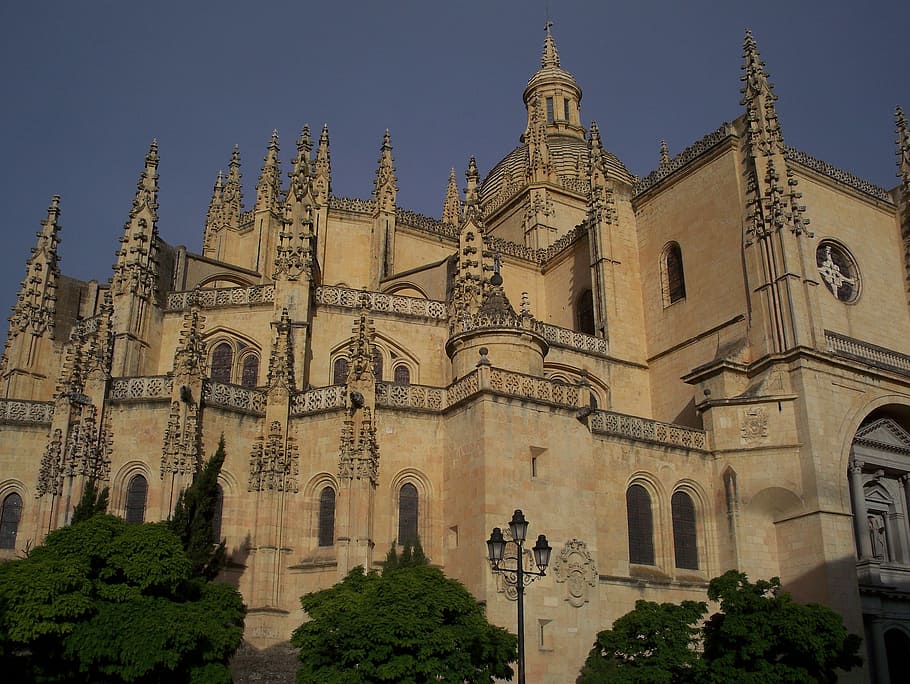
(759, 636)
(193, 515)
(409, 624)
(91, 503)
(105, 601)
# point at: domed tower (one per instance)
(539, 191)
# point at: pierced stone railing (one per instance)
(353, 204)
(564, 337)
(86, 326)
(633, 427)
(463, 388)
(420, 397)
(533, 387)
(20, 411)
(221, 297)
(234, 397)
(141, 389)
(377, 301)
(318, 400)
(879, 357)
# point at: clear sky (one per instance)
(86, 86)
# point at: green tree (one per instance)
(103, 601)
(760, 635)
(656, 643)
(409, 624)
(91, 503)
(193, 515)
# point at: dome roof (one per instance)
(566, 153)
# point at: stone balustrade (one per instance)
(21, 411)
(879, 357)
(644, 429)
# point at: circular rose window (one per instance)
(838, 270)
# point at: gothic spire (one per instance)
(136, 269)
(233, 197)
(268, 189)
(451, 207)
(385, 188)
(189, 359)
(213, 219)
(471, 192)
(903, 151)
(281, 362)
(539, 165)
(295, 249)
(600, 196)
(758, 97)
(322, 169)
(36, 302)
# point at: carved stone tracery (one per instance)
(575, 568)
(273, 462)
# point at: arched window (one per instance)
(685, 540)
(327, 517)
(377, 364)
(402, 375)
(674, 280)
(407, 514)
(340, 371)
(641, 526)
(222, 361)
(584, 312)
(10, 515)
(250, 375)
(217, 515)
(136, 493)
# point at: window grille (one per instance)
(136, 493)
(402, 375)
(340, 371)
(250, 376)
(10, 515)
(222, 360)
(407, 514)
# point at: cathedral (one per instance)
(675, 375)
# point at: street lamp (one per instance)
(496, 547)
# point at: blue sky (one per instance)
(87, 85)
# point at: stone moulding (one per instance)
(382, 303)
(30, 412)
(221, 297)
(155, 387)
(644, 429)
(871, 354)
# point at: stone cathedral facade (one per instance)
(672, 375)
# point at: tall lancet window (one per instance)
(136, 494)
(673, 279)
(641, 525)
(407, 514)
(222, 361)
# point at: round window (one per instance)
(838, 270)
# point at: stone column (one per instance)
(860, 522)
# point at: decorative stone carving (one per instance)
(273, 462)
(182, 451)
(753, 428)
(633, 427)
(50, 474)
(575, 568)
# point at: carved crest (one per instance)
(575, 568)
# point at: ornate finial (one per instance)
(550, 54)
(539, 165)
(385, 188)
(233, 195)
(601, 205)
(268, 189)
(360, 348)
(451, 206)
(664, 154)
(191, 350)
(281, 361)
(903, 149)
(322, 168)
(300, 173)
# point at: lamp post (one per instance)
(496, 547)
